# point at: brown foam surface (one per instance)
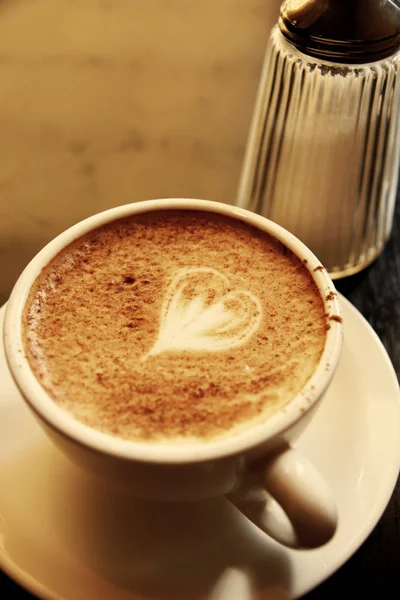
(174, 324)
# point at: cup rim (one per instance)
(164, 452)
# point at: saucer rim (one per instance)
(32, 585)
(379, 507)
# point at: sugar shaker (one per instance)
(323, 151)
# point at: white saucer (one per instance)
(62, 535)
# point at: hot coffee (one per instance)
(174, 324)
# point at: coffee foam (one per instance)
(134, 333)
(201, 313)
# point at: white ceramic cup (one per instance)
(269, 481)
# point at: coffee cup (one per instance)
(254, 464)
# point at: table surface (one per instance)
(375, 566)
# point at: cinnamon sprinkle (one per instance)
(94, 313)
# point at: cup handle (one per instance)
(288, 499)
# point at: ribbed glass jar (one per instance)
(323, 152)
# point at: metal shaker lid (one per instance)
(343, 31)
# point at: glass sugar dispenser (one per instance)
(323, 151)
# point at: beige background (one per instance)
(104, 102)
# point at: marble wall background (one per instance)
(104, 102)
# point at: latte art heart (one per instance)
(201, 313)
(136, 346)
